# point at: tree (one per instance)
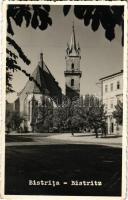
(61, 117)
(42, 115)
(118, 113)
(37, 16)
(14, 121)
(107, 16)
(76, 115)
(72, 116)
(92, 112)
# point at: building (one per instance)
(72, 73)
(44, 88)
(111, 93)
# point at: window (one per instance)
(111, 86)
(72, 66)
(72, 82)
(106, 88)
(118, 85)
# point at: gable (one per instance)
(47, 84)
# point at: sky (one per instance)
(99, 57)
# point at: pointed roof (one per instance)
(72, 49)
(43, 82)
(73, 39)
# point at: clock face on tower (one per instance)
(72, 73)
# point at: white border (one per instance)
(69, 2)
(5, 3)
(125, 85)
(3, 96)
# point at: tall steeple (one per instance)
(72, 72)
(73, 39)
(73, 49)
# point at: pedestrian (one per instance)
(72, 133)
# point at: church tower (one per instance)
(72, 73)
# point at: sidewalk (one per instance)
(111, 140)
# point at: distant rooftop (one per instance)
(111, 75)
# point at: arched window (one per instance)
(72, 66)
(72, 82)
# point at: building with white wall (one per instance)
(111, 93)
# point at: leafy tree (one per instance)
(76, 116)
(118, 113)
(42, 115)
(107, 16)
(9, 76)
(92, 113)
(61, 117)
(73, 116)
(14, 121)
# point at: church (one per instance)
(44, 89)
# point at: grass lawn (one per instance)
(63, 163)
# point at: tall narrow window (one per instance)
(106, 88)
(118, 85)
(72, 82)
(111, 86)
(72, 66)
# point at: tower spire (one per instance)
(73, 39)
(72, 73)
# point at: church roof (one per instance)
(43, 82)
